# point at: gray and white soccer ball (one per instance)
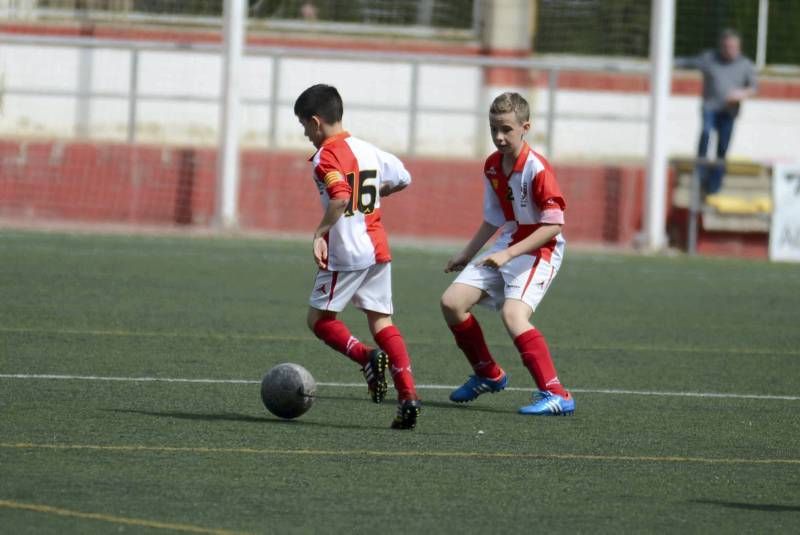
(288, 390)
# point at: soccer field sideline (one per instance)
(605, 391)
(124, 333)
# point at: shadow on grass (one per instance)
(358, 399)
(465, 407)
(769, 507)
(425, 404)
(235, 417)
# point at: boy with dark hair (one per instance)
(351, 250)
(522, 197)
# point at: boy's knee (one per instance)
(313, 317)
(508, 316)
(455, 308)
(446, 303)
(516, 318)
(453, 305)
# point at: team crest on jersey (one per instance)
(495, 183)
(523, 199)
(491, 171)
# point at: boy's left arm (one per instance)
(539, 237)
(387, 189)
(394, 176)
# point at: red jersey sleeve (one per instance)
(329, 173)
(548, 197)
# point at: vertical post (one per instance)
(662, 26)
(506, 30)
(227, 198)
(133, 108)
(761, 43)
(274, 102)
(481, 111)
(694, 208)
(552, 89)
(477, 15)
(133, 90)
(413, 110)
(425, 13)
(83, 106)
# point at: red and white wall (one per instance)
(168, 176)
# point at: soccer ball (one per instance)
(288, 390)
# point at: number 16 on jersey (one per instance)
(365, 192)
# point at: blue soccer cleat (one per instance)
(475, 386)
(548, 404)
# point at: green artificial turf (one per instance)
(99, 456)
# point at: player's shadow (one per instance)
(356, 399)
(769, 507)
(236, 417)
(463, 407)
(425, 403)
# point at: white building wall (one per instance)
(767, 129)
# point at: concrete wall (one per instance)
(135, 184)
(767, 129)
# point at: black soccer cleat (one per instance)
(375, 375)
(407, 414)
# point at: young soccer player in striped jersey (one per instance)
(351, 250)
(523, 199)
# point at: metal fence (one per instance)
(418, 18)
(549, 67)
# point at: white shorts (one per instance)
(525, 277)
(367, 289)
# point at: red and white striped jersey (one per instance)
(522, 202)
(346, 167)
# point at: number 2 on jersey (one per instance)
(365, 192)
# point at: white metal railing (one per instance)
(552, 66)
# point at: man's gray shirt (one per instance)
(720, 77)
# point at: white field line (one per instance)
(606, 391)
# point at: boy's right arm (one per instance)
(493, 218)
(335, 210)
(482, 235)
(338, 189)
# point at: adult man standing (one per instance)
(728, 79)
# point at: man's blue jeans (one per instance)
(721, 121)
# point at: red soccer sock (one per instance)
(536, 357)
(390, 340)
(469, 338)
(336, 334)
